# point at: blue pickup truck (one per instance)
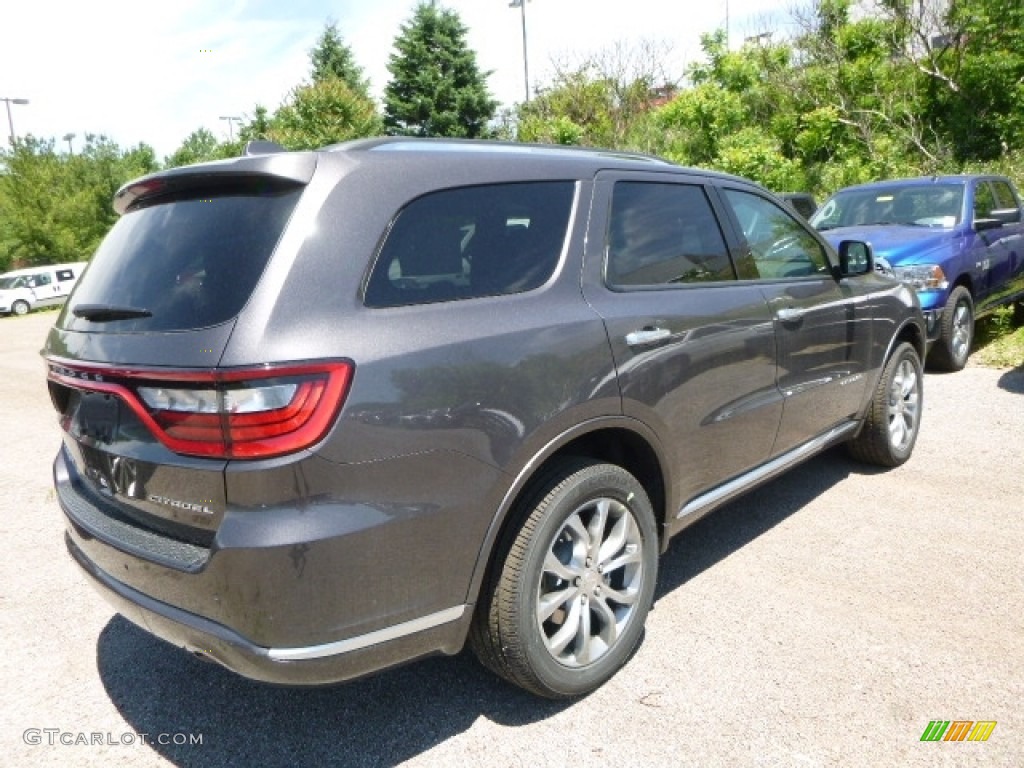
(958, 240)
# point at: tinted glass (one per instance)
(779, 245)
(190, 261)
(472, 241)
(65, 274)
(661, 234)
(41, 279)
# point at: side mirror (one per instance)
(982, 225)
(855, 258)
(1006, 215)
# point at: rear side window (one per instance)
(191, 260)
(472, 241)
(63, 275)
(661, 234)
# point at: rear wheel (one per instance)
(956, 331)
(566, 602)
(20, 307)
(894, 416)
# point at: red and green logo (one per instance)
(958, 730)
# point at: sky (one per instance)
(154, 72)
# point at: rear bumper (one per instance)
(443, 632)
(311, 593)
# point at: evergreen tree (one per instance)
(324, 113)
(331, 58)
(436, 88)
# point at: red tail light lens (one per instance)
(231, 414)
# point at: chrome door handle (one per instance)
(789, 314)
(647, 336)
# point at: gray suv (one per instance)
(326, 412)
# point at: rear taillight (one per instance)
(232, 414)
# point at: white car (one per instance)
(26, 289)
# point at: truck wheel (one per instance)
(894, 416)
(565, 604)
(956, 332)
(20, 307)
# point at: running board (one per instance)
(774, 467)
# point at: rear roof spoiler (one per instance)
(276, 167)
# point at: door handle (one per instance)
(789, 314)
(646, 336)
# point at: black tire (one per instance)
(894, 415)
(561, 520)
(20, 308)
(956, 332)
(1018, 314)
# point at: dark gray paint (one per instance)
(452, 409)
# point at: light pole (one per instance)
(68, 137)
(521, 5)
(231, 124)
(10, 120)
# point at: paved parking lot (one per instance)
(823, 620)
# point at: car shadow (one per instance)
(1013, 380)
(730, 528)
(395, 715)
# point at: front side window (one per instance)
(984, 201)
(661, 234)
(1005, 199)
(779, 246)
(472, 241)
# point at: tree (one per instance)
(332, 58)
(257, 128)
(436, 88)
(56, 207)
(969, 56)
(200, 146)
(324, 113)
(603, 100)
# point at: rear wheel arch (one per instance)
(624, 442)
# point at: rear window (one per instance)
(472, 241)
(190, 260)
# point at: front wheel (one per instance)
(894, 416)
(20, 307)
(566, 602)
(956, 331)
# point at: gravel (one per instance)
(824, 619)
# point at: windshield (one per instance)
(9, 283)
(921, 205)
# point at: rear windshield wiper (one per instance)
(101, 313)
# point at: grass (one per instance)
(999, 340)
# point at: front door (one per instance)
(822, 325)
(694, 347)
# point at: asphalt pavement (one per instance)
(825, 619)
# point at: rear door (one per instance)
(694, 346)
(823, 326)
